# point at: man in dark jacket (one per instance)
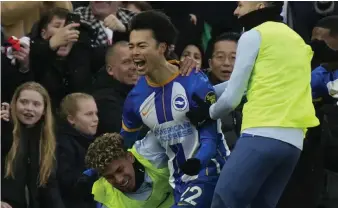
(112, 87)
(61, 55)
(221, 63)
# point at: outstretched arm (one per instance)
(247, 51)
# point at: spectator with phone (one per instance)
(79, 116)
(61, 56)
(30, 156)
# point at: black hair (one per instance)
(228, 36)
(197, 45)
(162, 28)
(330, 22)
(47, 17)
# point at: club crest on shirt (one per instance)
(210, 98)
(180, 102)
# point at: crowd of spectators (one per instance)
(67, 85)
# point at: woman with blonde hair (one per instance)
(29, 177)
(76, 133)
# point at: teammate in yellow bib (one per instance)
(128, 178)
(273, 67)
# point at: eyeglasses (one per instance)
(223, 57)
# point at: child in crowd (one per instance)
(76, 133)
(29, 150)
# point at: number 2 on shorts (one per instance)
(197, 192)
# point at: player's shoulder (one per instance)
(140, 87)
(199, 77)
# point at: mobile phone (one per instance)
(72, 18)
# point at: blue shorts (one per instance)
(195, 194)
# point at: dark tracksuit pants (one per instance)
(256, 173)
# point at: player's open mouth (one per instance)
(125, 183)
(139, 64)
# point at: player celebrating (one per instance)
(128, 178)
(160, 101)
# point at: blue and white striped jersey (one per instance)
(162, 108)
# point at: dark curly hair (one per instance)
(104, 150)
(159, 23)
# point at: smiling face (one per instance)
(121, 66)
(29, 107)
(121, 174)
(146, 51)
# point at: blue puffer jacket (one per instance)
(320, 77)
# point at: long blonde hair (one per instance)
(47, 138)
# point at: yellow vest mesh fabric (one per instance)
(279, 91)
(161, 196)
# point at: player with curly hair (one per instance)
(127, 178)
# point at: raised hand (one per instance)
(64, 36)
(187, 65)
(114, 24)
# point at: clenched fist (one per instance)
(114, 24)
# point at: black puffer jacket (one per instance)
(26, 173)
(72, 149)
(109, 95)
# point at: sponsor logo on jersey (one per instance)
(173, 132)
(180, 102)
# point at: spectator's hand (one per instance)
(64, 36)
(114, 24)
(187, 65)
(4, 113)
(22, 55)
(5, 205)
(193, 19)
(191, 167)
(200, 114)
